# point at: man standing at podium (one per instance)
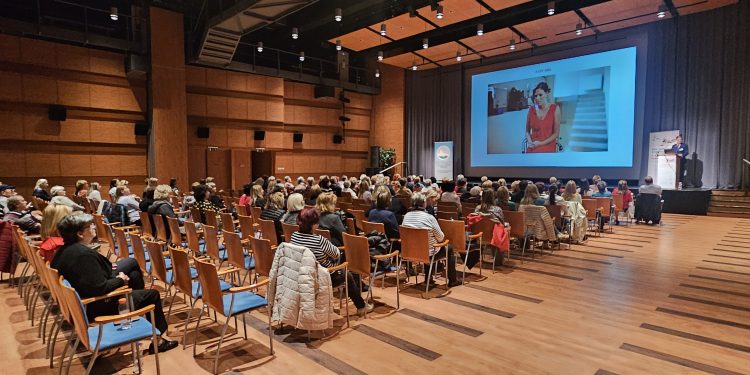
(680, 149)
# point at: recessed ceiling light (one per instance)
(295, 33)
(414, 65)
(458, 56)
(512, 45)
(380, 55)
(550, 8)
(260, 47)
(338, 44)
(382, 29)
(440, 12)
(377, 73)
(302, 56)
(662, 12)
(337, 15)
(425, 43)
(579, 29)
(113, 13)
(480, 29)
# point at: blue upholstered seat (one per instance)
(193, 274)
(198, 292)
(243, 301)
(113, 335)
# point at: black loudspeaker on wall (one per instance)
(297, 137)
(136, 66)
(259, 135)
(57, 112)
(203, 132)
(140, 128)
(375, 156)
(325, 91)
(337, 139)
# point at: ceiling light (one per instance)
(458, 55)
(302, 56)
(113, 13)
(480, 29)
(377, 73)
(512, 44)
(295, 33)
(440, 12)
(662, 11)
(579, 29)
(338, 44)
(380, 55)
(425, 43)
(260, 46)
(413, 65)
(337, 15)
(550, 8)
(382, 29)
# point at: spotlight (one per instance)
(380, 55)
(425, 43)
(458, 56)
(377, 73)
(260, 46)
(579, 29)
(295, 33)
(337, 15)
(113, 13)
(662, 12)
(413, 65)
(440, 12)
(550, 8)
(338, 44)
(302, 56)
(480, 29)
(512, 44)
(382, 29)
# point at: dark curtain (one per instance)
(698, 81)
(433, 111)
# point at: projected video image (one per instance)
(554, 113)
(574, 112)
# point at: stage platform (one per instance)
(686, 201)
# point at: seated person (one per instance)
(258, 196)
(472, 196)
(92, 275)
(531, 196)
(163, 207)
(21, 216)
(125, 198)
(58, 197)
(449, 195)
(6, 191)
(274, 211)
(381, 213)
(627, 196)
(419, 218)
(488, 208)
(315, 192)
(329, 219)
(571, 192)
(51, 240)
(601, 190)
(202, 202)
(503, 199)
(294, 204)
(519, 190)
(649, 187)
(40, 190)
(327, 254)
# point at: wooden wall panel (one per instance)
(388, 113)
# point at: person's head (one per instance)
(308, 219)
(678, 139)
(596, 178)
(295, 202)
(209, 179)
(476, 190)
(648, 180)
(622, 186)
(502, 182)
(41, 184)
(448, 186)
(247, 189)
(418, 200)
(77, 228)
(483, 178)
(552, 193)
(326, 202)
(161, 192)
(460, 177)
(57, 190)
(531, 193)
(173, 183)
(383, 199)
(488, 200)
(201, 192)
(601, 186)
(503, 195)
(570, 189)
(364, 185)
(275, 201)
(487, 184)
(553, 180)
(540, 93)
(82, 185)
(540, 187)
(347, 184)
(94, 186)
(16, 203)
(8, 190)
(211, 187)
(122, 191)
(515, 186)
(315, 191)
(113, 183)
(257, 191)
(51, 217)
(584, 184)
(522, 186)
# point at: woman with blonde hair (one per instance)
(94, 192)
(274, 211)
(571, 192)
(364, 190)
(294, 204)
(50, 236)
(531, 196)
(40, 190)
(257, 196)
(329, 219)
(82, 188)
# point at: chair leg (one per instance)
(398, 289)
(195, 335)
(52, 338)
(428, 278)
(270, 329)
(187, 323)
(72, 352)
(244, 325)
(92, 360)
(346, 290)
(221, 340)
(171, 303)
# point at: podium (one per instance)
(668, 170)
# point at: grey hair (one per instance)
(162, 192)
(417, 200)
(70, 225)
(56, 189)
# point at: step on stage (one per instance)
(693, 201)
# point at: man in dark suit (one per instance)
(680, 149)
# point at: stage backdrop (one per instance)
(697, 82)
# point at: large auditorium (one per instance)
(375, 186)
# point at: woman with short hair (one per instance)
(94, 193)
(329, 219)
(125, 198)
(294, 204)
(382, 214)
(162, 206)
(59, 197)
(274, 211)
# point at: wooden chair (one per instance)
(288, 230)
(175, 236)
(241, 210)
(468, 208)
(268, 231)
(161, 231)
(345, 206)
(256, 211)
(107, 335)
(214, 249)
(592, 214)
(605, 210)
(241, 300)
(211, 218)
(195, 215)
(447, 215)
(619, 207)
(263, 254)
(517, 222)
(486, 228)
(228, 222)
(247, 227)
(159, 266)
(351, 226)
(193, 239)
(123, 249)
(455, 232)
(325, 233)
(359, 217)
(359, 259)
(236, 254)
(146, 225)
(415, 247)
(448, 207)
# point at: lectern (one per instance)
(667, 170)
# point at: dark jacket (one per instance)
(388, 219)
(164, 209)
(333, 224)
(42, 194)
(87, 271)
(145, 204)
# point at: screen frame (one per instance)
(561, 51)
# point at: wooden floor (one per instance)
(670, 299)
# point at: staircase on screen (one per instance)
(589, 131)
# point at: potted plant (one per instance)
(387, 158)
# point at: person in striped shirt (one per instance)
(419, 218)
(327, 254)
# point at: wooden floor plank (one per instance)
(479, 307)
(504, 293)
(595, 253)
(678, 360)
(719, 279)
(703, 318)
(725, 271)
(553, 274)
(441, 322)
(711, 303)
(687, 335)
(398, 342)
(700, 287)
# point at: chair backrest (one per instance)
(139, 252)
(241, 209)
(210, 217)
(359, 201)
(161, 230)
(246, 226)
(351, 226)
(175, 202)
(263, 255)
(235, 253)
(415, 244)
(345, 198)
(158, 266)
(357, 254)
(104, 232)
(359, 217)
(121, 251)
(146, 227)
(77, 311)
(345, 206)
(555, 211)
(369, 226)
(405, 201)
(447, 215)
(517, 222)
(288, 230)
(617, 199)
(455, 232)
(256, 211)
(467, 208)
(195, 215)
(54, 278)
(209, 279)
(227, 221)
(605, 205)
(268, 231)
(323, 232)
(590, 206)
(181, 270)
(486, 226)
(447, 207)
(211, 236)
(174, 231)
(193, 242)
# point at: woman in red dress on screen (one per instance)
(543, 122)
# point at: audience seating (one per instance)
(359, 259)
(415, 248)
(455, 232)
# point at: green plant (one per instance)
(387, 157)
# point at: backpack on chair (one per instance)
(118, 213)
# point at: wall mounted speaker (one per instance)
(375, 156)
(259, 135)
(344, 118)
(338, 139)
(297, 137)
(136, 66)
(325, 92)
(57, 112)
(141, 128)
(203, 132)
